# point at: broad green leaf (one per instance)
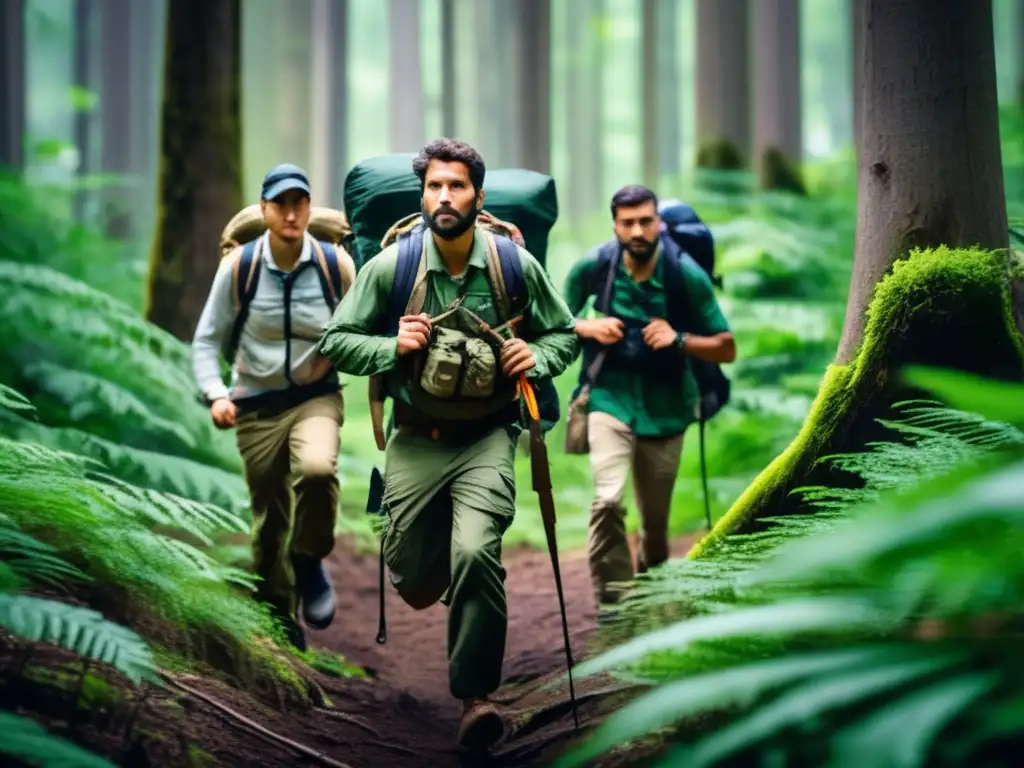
(27, 740)
(805, 615)
(670, 703)
(809, 702)
(996, 400)
(900, 734)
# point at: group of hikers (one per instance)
(458, 323)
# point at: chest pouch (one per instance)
(458, 366)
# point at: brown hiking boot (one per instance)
(481, 725)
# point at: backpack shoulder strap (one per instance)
(329, 272)
(677, 295)
(505, 270)
(246, 273)
(410, 273)
(607, 262)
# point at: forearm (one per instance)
(206, 369)
(357, 353)
(554, 352)
(720, 348)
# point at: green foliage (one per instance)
(26, 740)
(872, 633)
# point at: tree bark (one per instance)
(406, 129)
(449, 123)
(329, 103)
(583, 107)
(649, 89)
(12, 85)
(930, 188)
(778, 126)
(929, 163)
(201, 157)
(83, 77)
(118, 113)
(670, 134)
(723, 84)
(533, 95)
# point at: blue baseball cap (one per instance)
(282, 178)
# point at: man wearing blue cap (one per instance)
(285, 401)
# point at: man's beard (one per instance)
(641, 250)
(452, 231)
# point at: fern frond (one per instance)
(26, 740)
(34, 560)
(80, 630)
(13, 400)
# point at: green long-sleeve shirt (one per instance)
(350, 339)
(653, 406)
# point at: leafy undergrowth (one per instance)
(115, 575)
(881, 630)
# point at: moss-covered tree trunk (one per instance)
(201, 158)
(723, 84)
(778, 114)
(930, 187)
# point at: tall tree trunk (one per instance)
(201, 158)
(778, 126)
(929, 177)
(583, 107)
(929, 164)
(449, 123)
(649, 89)
(12, 85)
(1019, 40)
(723, 84)
(669, 93)
(83, 77)
(293, 97)
(118, 112)
(533, 94)
(329, 129)
(147, 58)
(406, 129)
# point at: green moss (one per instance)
(720, 155)
(780, 172)
(943, 307)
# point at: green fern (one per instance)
(26, 740)
(80, 630)
(32, 560)
(809, 625)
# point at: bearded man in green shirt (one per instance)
(449, 475)
(642, 394)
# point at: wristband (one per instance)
(681, 340)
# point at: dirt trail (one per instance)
(406, 716)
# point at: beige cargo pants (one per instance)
(291, 470)
(614, 451)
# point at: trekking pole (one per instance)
(541, 474)
(704, 476)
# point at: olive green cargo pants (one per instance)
(291, 468)
(448, 507)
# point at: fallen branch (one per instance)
(255, 727)
(338, 715)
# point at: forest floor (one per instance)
(404, 717)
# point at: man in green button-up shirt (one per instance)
(644, 395)
(449, 477)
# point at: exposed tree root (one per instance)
(944, 307)
(250, 725)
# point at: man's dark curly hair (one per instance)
(450, 151)
(631, 195)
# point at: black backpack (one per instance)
(685, 228)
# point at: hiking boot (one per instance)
(315, 591)
(481, 725)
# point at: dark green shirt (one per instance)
(349, 339)
(652, 406)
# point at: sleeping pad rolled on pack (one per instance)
(382, 190)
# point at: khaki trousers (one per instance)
(291, 469)
(448, 507)
(614, 450)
